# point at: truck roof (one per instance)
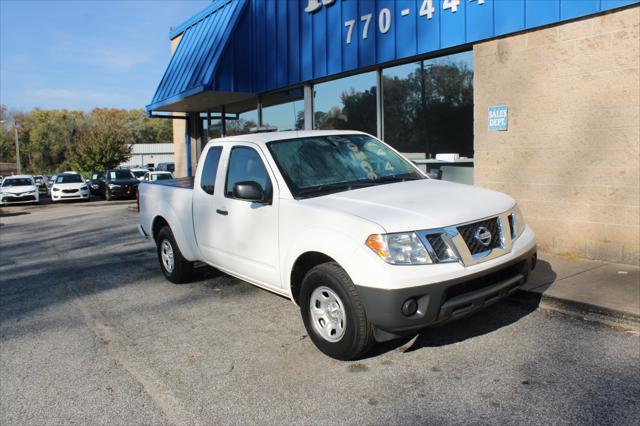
(263, 138)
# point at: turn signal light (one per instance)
(377, 244)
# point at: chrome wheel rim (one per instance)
(327, 314)
(166, 254)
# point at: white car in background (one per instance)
(69, 186)
(155, 176)
(19, 189)
(139, 173)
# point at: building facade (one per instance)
(538, 99)
(150, 153)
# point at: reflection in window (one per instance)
(246, 165)
(428, 110)
(288, 111)
(348, 103)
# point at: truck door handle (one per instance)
(222, 212)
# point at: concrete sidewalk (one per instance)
(606, 291)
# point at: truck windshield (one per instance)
(326, 164)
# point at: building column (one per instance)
(379, 105)
(308, 107)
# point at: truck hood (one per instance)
(418, 204)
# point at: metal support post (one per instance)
(308, 107)
(379, 105)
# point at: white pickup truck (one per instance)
(346, 227)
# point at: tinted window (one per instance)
(17, 182)
(210, 168)
(163, 176)
(120, 174)
(139, 173)
(246, 165)
(69, 179)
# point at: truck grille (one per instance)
(438, 245)
(474, 244)
(69, 191)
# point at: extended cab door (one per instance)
(205, 199)
(245, 237)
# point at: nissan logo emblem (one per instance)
(483, 236)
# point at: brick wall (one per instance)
(571, 153)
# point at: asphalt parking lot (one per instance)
(92, 333)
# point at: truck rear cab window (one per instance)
(209, 169)
(245, 164)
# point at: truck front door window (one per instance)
(246, 165)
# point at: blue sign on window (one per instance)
(498, 118)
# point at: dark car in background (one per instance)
(42, 184)
(166, 167)
(117, 183)
(94, 183)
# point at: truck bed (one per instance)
(185, 182)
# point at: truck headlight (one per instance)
(84, 188)
(56, 189)
(516, 220)
(403, 248)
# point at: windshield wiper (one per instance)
(396, 178)
(337, 186)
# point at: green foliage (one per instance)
(429, 111)
(57, 140)
(106, 143)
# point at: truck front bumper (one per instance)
(444, 301)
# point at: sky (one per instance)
(84, 54)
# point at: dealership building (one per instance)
(536, 98)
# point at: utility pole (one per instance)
(18, 165)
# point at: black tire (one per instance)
(182, 269)
(358, 332)
(107, 195)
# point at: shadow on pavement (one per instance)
(11, 214)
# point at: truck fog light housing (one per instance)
(404, 248)
(409, 307)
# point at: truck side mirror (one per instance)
(248, 191)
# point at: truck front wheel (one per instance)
(175, 268)
(333, 314)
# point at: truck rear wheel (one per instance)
(333, 314)
(174, 266)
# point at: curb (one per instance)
(584, 310)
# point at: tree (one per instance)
(7, 141)
(239, 126)
(106, 143)
(148, 130)
(48, 137)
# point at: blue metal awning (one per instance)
(194, 63)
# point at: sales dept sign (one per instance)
(498, 118)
